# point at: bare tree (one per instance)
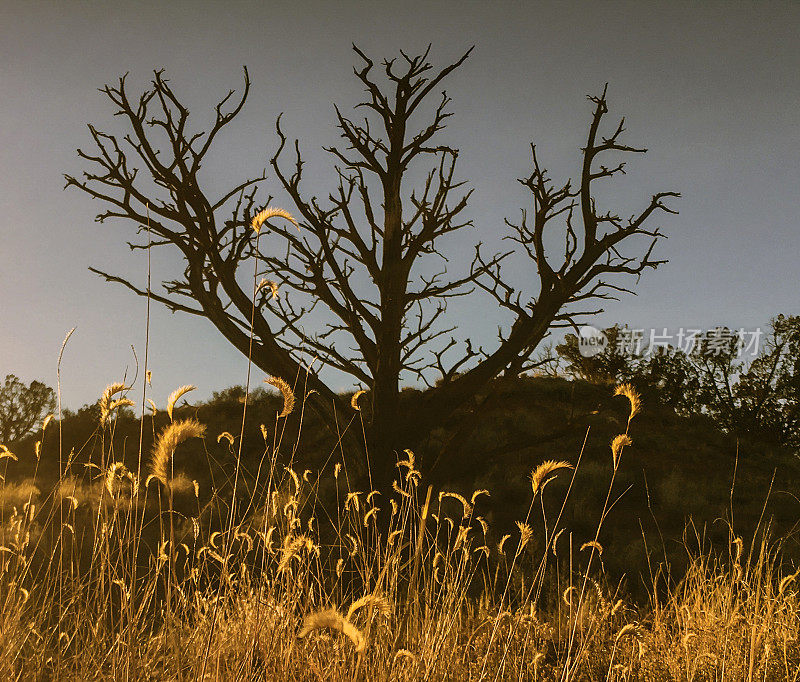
(21, 407)
(367, 254)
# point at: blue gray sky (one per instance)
(710, 88)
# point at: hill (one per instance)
(683, 481)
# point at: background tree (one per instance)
(722, 374)
(768, 393)
(760, 398)
(608, 367)
(367, 255)
(22, 407)
(671, 377)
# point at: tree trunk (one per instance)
(386, 428)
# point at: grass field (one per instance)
(290, 574)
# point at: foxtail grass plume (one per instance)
(412, 474)
(627, 630)
(354, 400)
(616, 446)
(484, 550)
(271, 212)
(410, 462)
(352, 499)
(404, 654)
(286, 392)
(466, 506)
(292, 546)
(273, 287)
(540, 473)
(738, 543)
(295, 479)
(399, 490)
(592, 544)
(633, 397)
(175, 396)
(227, 436)
(477, 494)
(376, 602)
(117, 471)
(331, 618)
(170, 438)
(106, 404)
(525, 535)
(372, 513)
(502, 543)
(121, 402)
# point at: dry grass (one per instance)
(286, 392)
(428, 592)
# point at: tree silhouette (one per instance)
(608, 367)
(757, 397)
(21, 407)
(366, 255)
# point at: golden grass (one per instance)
(633, 397)
(271, 284)
(270, 212)
(175, 396)
(433, 593)
(539, 476)
(5, 453)
(331, 618)
(170, 438)
(354, 400)
(286, 392)
(107, 405)
(617, 444)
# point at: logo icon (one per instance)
(591, 342)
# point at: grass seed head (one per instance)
(286, 392)
(332, 619)
(271, 212)
(175, 396)
(354, 400)
(627, 630)
(592, 544)
(525, 534)
(374, 601)
(106, 406)
(271, 284)
(171, 436)
(466, 506)
(633, 397)
(617, 444)
(540, 474)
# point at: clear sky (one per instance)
(712, 90)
